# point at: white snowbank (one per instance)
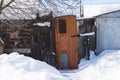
(19, 67)
(104, 67)
(43, 24)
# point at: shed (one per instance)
(66, 45)
(86, 31)
(108, 31)
(31, 37)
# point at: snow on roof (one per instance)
(107, 13)
(94, 10)
(42, 24)
(18, 67)
(82, 18)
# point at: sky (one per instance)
(100, 1)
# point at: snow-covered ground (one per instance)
(105, 66)
(19, 67)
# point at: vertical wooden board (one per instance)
(56, 38)
(73, 43)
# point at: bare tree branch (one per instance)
(1, 3)
(28, 8)
(8, 4)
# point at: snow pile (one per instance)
(19, 67)
(85, 63)
(105, 67)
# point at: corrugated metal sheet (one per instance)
(108, 31)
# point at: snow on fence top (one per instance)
(42, 24)
(88, 34)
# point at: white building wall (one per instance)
(108, 32)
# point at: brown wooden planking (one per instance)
(65, 43)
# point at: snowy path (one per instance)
(70, 72)
(83, 64)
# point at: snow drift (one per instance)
(104, 67)
(19, 67)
